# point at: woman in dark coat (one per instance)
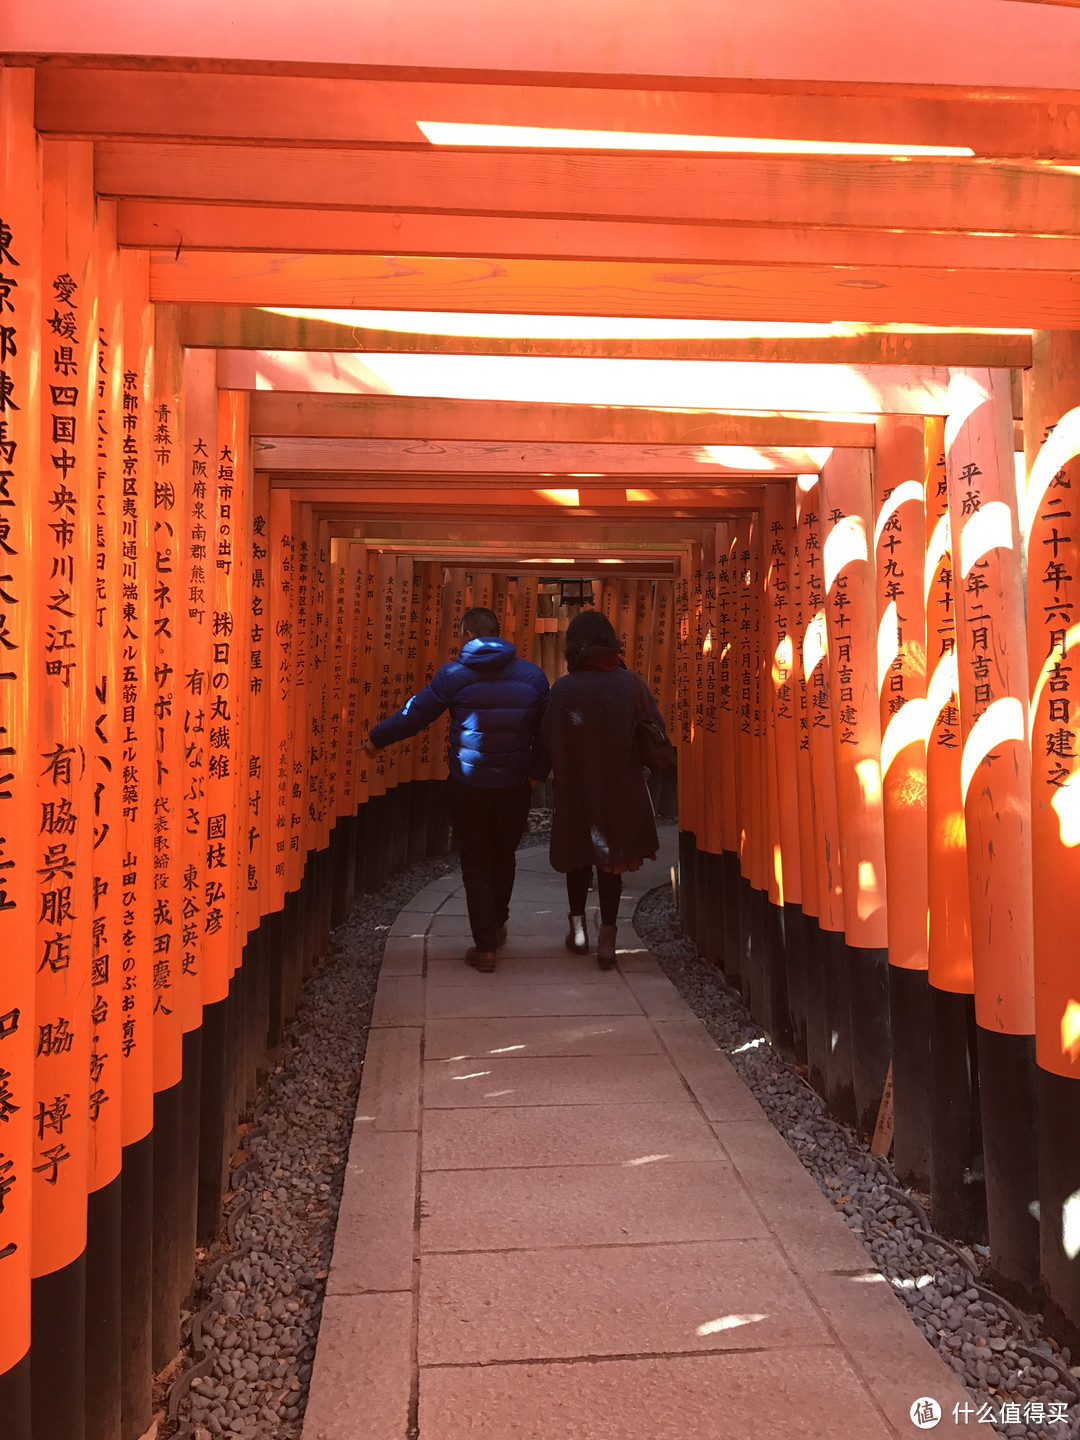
(603, 811)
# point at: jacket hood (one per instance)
(487, 652)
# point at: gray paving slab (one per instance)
(503, 998)
(584, 1205)
(565, 1217)
(551, 1080)
(540, 1035)
(652, 1299)
(529, 968)
(361, 1385)
(811, 1394)
(515, 1137)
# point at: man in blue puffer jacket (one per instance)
(496, 701)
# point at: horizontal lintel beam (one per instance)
(824, 389)
(151, 103)
(881, 295)
(922, 194)
(437, 454)
(239, 327)
(509, 500)
(193, 225)
(408, 418)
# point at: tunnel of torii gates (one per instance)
(233, 535)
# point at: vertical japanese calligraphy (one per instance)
(64, 829)
(20, 688)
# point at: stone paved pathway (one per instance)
(565, 1218)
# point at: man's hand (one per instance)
(369, 748)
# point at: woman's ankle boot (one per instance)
(605, 948)
(577, 939)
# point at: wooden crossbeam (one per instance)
(953, 44)
(606, 534)
(499, 499)
(440, 455)
(405, 418)
(303, 109)
(871, 390)
(775, 190)
(561, 565)
(188, 225)
(251, 328)
(756, 293)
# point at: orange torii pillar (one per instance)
(438, 816)
(727, 597)
(103, 1341)
(991, 653)
(262, 901)
(60, 846)
(850, 608)
(64, 834)
(338, 764)
(707, 863)
(828, 1038)
(137, 770)
(788, 949)
(658, 672)
(811, 1041)
(899, 534)
(20, 815)
(416, 671)
(958, 1203)
(753, 895)
(1052, 390)
(282, 660)
(174, 1195)
(683, 736)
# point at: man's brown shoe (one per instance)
(480, 959)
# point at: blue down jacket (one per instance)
(496, 702)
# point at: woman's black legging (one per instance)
(608, 888)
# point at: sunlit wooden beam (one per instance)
(306, 109)
(605, 533)
(187, 225)
(646, 500)
(252, 328)
(405, 418)
(875, 296)
(439, 455)
(870, 390)
(877, 194)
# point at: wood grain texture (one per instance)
(934, 194)
(193, 225)
(786, 294)
(528, 457)
(310, 109)
(654, 501)
(403, 417)
(248, 327)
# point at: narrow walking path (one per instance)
(565, 1217)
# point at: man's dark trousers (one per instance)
(488, 825)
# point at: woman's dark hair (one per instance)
(589, 632)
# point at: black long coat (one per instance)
(603, 812)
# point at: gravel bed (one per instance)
(256, 1336)
(974, 1333)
